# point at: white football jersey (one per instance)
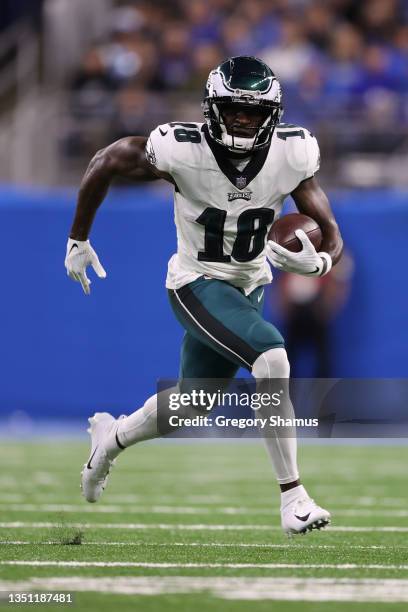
(223, 211)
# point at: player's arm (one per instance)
(125, 158)
(311, 200)
(303, 161)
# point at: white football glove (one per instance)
(307, 262)
(79, 256)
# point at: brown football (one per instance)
(283, 231)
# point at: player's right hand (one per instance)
(307, 262)
(80, 255)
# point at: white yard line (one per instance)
(162, 509)
(12, 497)
(210, 500)
(203, 544)
(171, 565)
(182, 527)
(169, 499)
(265, 588)
(354, 512)
(234, 588)
(117, 509)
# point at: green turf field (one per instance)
(195, 526)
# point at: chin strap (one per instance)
(236, 143)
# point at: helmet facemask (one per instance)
(262, 133)
(248, 82)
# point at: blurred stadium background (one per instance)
(177, 518)
(76, 75)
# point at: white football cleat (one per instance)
(94, 476)
(302, 515)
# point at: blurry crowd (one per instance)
(343, 65)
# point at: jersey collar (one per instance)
(239, 179)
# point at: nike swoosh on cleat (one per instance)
(88, 465)
(303, 518)
(161, 132)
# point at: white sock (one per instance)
(282, 450)
(140, 425)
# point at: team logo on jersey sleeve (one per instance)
(239, 195)
(150, 154)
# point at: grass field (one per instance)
(195, 526)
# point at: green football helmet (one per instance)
(245, 81)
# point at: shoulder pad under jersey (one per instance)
(301, 148)
(168, 144)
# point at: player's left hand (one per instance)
(307, 262)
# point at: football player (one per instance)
(231, 175)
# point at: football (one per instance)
(283, 231)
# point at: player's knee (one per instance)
(272, 364)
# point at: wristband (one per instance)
(327, 263)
